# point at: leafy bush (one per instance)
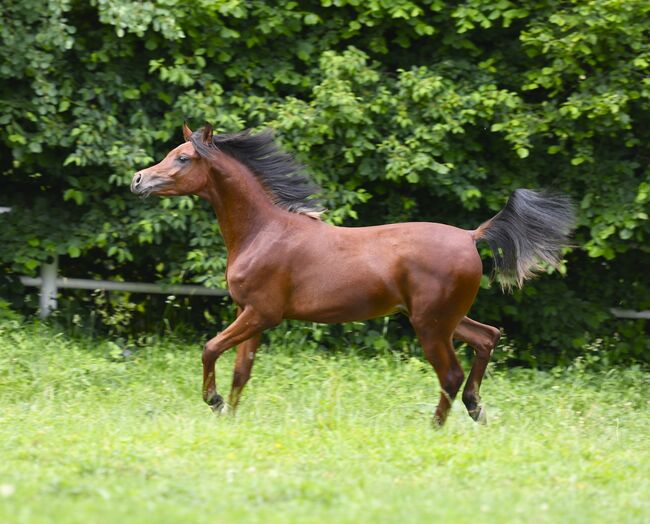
(403, 111)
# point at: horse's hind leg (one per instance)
(483, 339)
(243, 366)
(439, 351)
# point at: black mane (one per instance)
(285, 179)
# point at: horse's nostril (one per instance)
(137, 180)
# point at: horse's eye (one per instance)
(182, 159)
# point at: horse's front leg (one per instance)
(250, 323)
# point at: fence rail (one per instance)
(630, 313)
(49, 283)
(135, 287)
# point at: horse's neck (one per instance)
(240, 202)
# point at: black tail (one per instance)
(532, 228)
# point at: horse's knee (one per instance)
(211, 351)
(207, 353)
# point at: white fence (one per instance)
(49, 283)
(629, 313)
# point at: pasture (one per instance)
(90, 436)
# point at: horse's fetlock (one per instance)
(453, 381)
(471, 400)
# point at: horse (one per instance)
(285, 262)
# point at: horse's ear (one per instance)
(207, 134)
(187, 132)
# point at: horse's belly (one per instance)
(335, 298)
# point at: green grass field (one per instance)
(319, 438)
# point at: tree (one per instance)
(403, 111)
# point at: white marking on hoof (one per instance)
(482, 417)
(222, 409)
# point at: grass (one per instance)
(339, 438)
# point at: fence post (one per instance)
(47, 297)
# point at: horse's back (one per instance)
(377, 270)
(441, 249)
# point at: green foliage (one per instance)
(89, 435)
(403, 111)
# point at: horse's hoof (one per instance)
(215, 402)
(479, 415)
(437, 422)
(221, 409)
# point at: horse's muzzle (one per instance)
(136, 183)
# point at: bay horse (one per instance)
(285, 263)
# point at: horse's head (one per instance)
(181, 172)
